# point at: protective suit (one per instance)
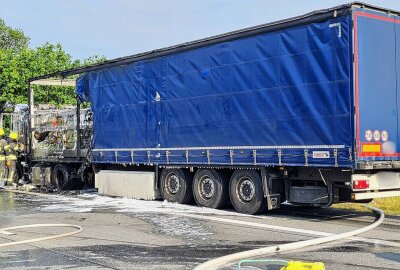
(3, 168)
(12, 150)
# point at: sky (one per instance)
(116, 28)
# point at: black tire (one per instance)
(61, 178)
(176, 186)
(210, 188)
(246, 192)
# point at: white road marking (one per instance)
(23, 261)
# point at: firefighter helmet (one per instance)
(14, 136)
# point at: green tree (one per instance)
(94, 59)
(17, 68)
(18, 63)
(12, 39)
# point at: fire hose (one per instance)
(228, 259)
(6, 231)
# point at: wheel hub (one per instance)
(173, 184)
(206, 187)
(246, 190)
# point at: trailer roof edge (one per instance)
(314, 16)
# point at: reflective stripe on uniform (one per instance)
(11, 157)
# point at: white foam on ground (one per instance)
(160, 213)
(176, 225)
(92, 202)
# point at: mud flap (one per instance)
(273, 200)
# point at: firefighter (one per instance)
(13, 149)
(3, 167)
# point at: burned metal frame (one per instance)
(31, 111)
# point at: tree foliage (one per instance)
(12, 39)
(18, 63)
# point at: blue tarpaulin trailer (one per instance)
(311, 102)
(276, 98)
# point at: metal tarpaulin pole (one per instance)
(78, 129)
(31, 122)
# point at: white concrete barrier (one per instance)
(130, 184)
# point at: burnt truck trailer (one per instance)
(304, 110)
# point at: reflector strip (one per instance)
(372, 148)
(360, 184)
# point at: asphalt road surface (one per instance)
(130, 234)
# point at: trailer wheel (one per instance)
(176, 186)
(210, 188)
(246, 192)
(60, 177)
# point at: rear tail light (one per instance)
(360, 184)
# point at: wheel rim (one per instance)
(245, 189)
(206, 187)
(173, 184)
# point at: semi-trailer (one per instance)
(303, 110)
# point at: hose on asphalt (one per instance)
(28, 241)
(229, 259)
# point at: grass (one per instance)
(390, 206)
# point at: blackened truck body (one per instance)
(304, 110)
